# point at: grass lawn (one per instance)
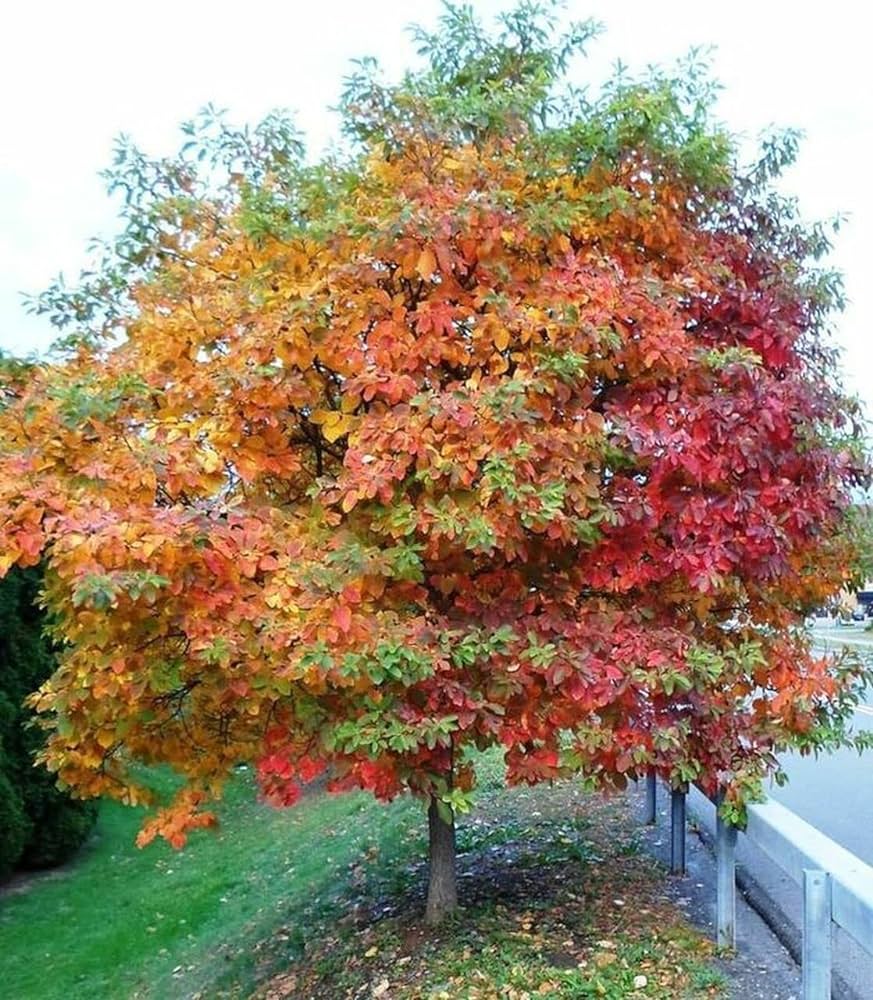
(122, 922)
(322, 901)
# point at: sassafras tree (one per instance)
(513, 424)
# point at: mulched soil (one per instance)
(560, 899)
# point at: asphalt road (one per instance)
(834, 792)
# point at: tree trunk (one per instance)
(442, 890)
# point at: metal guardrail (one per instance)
(837, 885)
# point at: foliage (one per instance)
(861, 526)
(40, 826)
(510, 423)
(14, 827)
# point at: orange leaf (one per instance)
(426, 264)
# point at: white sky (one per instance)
(74, 75)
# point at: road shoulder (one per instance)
(762, 968)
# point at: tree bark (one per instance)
(442, 889)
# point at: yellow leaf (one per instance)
(295, 350)
(426, 264)
(210, 462)
(322, 416)
(339, 425)
(501, 339)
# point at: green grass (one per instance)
(705, 977)
(559, 900)
(155, 923)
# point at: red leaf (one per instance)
(342, 617)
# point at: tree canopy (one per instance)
(511, 421)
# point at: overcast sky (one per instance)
(74, 75)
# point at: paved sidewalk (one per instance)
(762, 968)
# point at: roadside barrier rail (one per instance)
(837, 885)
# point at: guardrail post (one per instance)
(726, 883)
(651, 793)
(816, 966)
(677, 831)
